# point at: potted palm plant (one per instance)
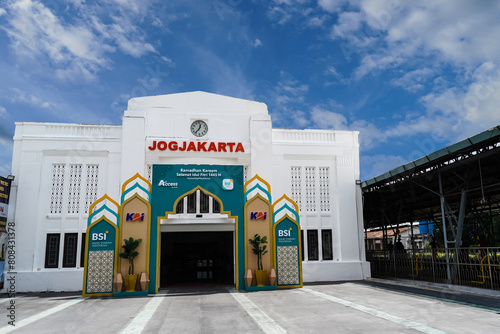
(259, 249)
(129, 253)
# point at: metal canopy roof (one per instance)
(411, 192)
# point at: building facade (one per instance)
(61, 169)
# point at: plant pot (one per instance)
(261, 277)
(130, 281)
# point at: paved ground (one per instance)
(348, 307)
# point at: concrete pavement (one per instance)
(348, 307)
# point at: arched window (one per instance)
(197, 202)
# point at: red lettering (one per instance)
(172, 146)
(196, 146)
(201, 146)
(222, 147)
(212, 147)
(162, 146)
(239, 148)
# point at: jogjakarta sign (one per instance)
(198, 146)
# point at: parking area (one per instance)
(348, 307)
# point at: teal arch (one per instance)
(89, 220)
(136, 185)
(260, 187)
(289, 209)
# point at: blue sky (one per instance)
(412, 77)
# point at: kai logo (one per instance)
(258, 215)
(134, 216)
(285, 233)
(99, 236)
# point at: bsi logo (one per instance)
(99, 236)
(284, 233)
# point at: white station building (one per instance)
(61, 169)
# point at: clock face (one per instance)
(199, 128)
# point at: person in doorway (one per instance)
(399, 245)
(389, 246)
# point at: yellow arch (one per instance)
(257, 177)
(137, 175)
(289, 199)
(105, 197)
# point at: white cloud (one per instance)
(3, 112)
(374, 165)
(2, 11)
(257, 43)
(331, 5)
(347, 24)
(75, 49)
(459, 38)
(168, 61)
(325, 119)
(20, 96)
(414, 81)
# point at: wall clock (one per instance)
(199, 128)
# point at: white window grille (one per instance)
(75, 184)
(150, 173)
(310, 184)
(245, 174)
(91, 185)
(56, 196)
(297, 186)
(324, 188)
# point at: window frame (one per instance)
(326, 246)
(49, 249)
(68, 252)
(312, 247)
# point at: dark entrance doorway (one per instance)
(196, 258)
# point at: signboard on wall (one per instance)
(4, 201)
(172, 182)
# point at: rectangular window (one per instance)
(56, 195)
(326, 241)
(75, 185)
(69, 253)
(204, 202)
(216, 206)
(324, 188)
(92, 180)
(82, 250)
(52, 251)
(310, 183)
(297, 186)
(191, 203)
(312, 245)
